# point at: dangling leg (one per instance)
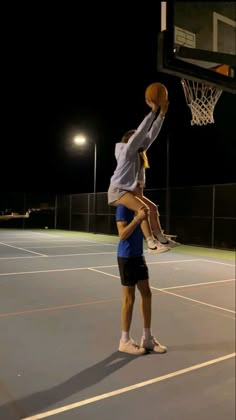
(154, 217)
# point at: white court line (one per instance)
(29, 235)
(22, 258)
(78, 268)
(128, 388)
(23, 249)
(193, 300)
(80, 241)
(103, 272)
(52, 271)
(69, 246)
(171, 287)
(39, 241)
(85, 268)
(164, 290)
(65, 240)
(44, 234)
(197, 284)
(193, 260)
(57, 255)
(217, 262)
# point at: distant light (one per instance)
(79, 139)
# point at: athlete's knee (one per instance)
(128, 300)
(143, 207)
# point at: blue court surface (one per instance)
(60, 314)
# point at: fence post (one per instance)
(24, 206)
(70, 208)
(168, 185)
(213, 216)
(55, 213)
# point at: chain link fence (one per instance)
(198, 215)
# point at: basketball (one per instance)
(157, 93)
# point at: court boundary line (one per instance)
(217, 262)
(79, 241)
(70, 246)
(86, 268)
(129, 388)
(102, 253)
(56, 255)
(198, 284)
(164, 290)
(23, 249)
(97, 266)
(194, 300)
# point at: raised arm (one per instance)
(136, 140)
(156, 127)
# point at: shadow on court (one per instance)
(39, 401)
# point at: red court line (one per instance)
(54, 308)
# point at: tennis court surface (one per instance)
(60, 305)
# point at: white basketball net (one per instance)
(201, 99)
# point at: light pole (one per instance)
(80, 140)
(95, 169)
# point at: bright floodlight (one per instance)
(79, 139)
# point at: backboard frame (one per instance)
(172, 62)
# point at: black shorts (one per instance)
(132, 270)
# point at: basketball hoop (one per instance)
(202, 98)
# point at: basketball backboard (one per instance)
(197, 41)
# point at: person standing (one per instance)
(134, 274)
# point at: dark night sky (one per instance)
(72, 69)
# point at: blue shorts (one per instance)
(132, 270)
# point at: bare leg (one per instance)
(154, 214)
(148, 341)
(127, 307)
(154, 218)
(146, 302)
(134, 203)
(128, 345)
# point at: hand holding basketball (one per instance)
(164, 107)
(156, 95)
(151, 104)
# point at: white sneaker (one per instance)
(151, 344)
(167, 240)
(172, 243)
(162, 239)
(155, 247)
(131, 347)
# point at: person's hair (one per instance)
(142, 153)
(144, 159)
(127, 135)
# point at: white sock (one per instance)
(147, 333)
(125, 336)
